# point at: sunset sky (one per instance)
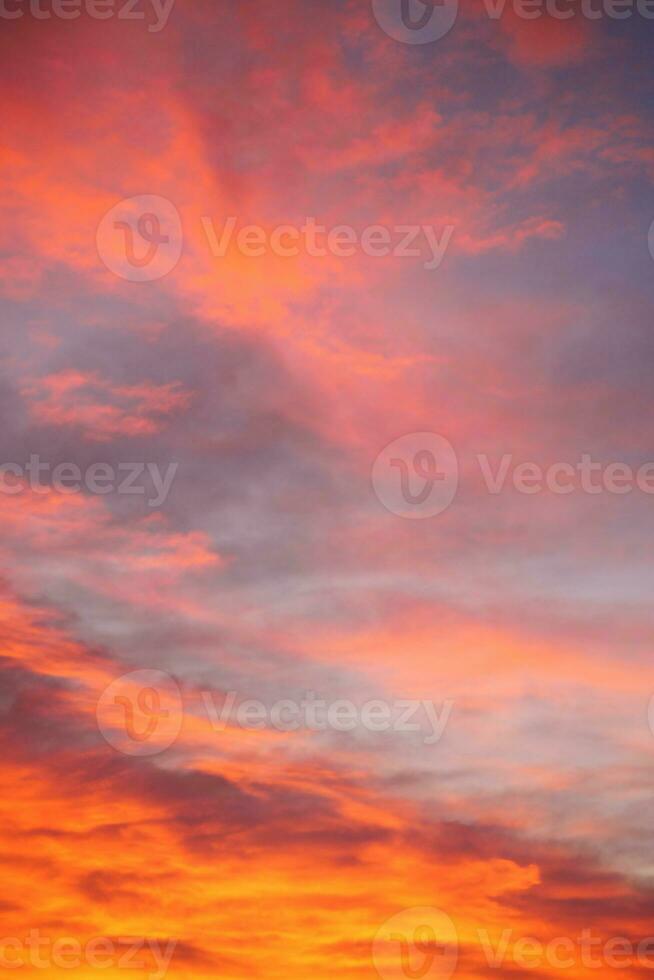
(267, 406)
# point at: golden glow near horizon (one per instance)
(325, 490)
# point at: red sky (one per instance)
(261, 549)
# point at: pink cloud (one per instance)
(102, 410)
